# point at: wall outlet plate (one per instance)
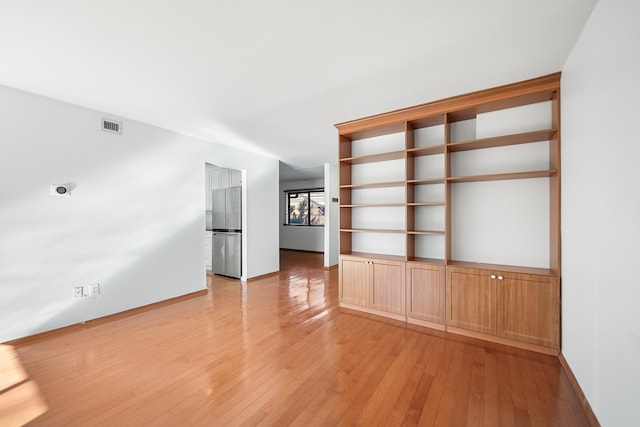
(78, 292)
(93, 289)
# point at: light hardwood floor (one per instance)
(276, 352)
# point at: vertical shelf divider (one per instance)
(555, 260)
(345, 194)
(447, 189)
(410, 211)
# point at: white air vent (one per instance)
(111, 126)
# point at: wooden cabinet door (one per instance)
(353, 281)
(471, 301)
(426, 292)
(387, 286)
(530, 309)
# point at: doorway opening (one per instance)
(225, 219)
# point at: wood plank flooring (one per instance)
(275, 352)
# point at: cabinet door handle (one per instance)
(493, 276)
(500, 277)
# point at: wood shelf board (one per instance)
(502, 141)
(385, 257)
(373, 185)
(418, 204)
(392, 205)
(426, 151)
(375, 205)
(371, 230)
(459, 107)
(373, 158)
(426, 181)
(429, 261)
(502, 176)
(426, 232)
(505, 268)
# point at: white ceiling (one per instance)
(274, 76)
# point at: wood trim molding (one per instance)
(396, 320)
(537, 89)
(424, 324)
(105, 319)
(302, 250)
(500, 340)
(591, 416)
(263, 276)
(371, 313)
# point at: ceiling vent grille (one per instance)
(111, 126)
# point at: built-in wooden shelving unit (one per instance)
(412, 186)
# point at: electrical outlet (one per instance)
(94, 289)
(78, 292)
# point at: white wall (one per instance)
(295, 237)
(332, 220)
(134, 223)
(601, 211)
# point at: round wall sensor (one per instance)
(60, 189)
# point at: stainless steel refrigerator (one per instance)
(226, 204)
(227, 254)
(227, 231)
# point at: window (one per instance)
(305, 207)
